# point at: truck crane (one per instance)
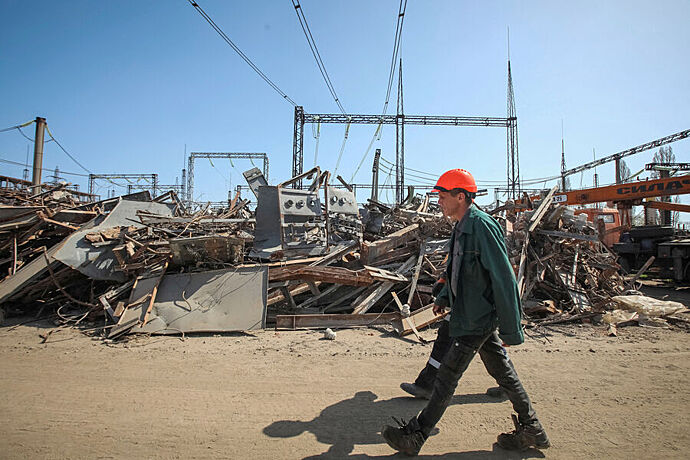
(635, 245)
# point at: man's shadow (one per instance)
(358, 421)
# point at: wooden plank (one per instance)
(339, 275)
(393, 256)
(532, 224)
(148, 308)
(380, 274)
(541, 210)
(292, 322)
(418, 268)
(381, 290)
(288, 296)
(334, 255)
(420, 318)
(340, 300)
(371, 251)
(641, 271)
(319, 296)
(313, 288)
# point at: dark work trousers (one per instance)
(442, 344)
(455, 363)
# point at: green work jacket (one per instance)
(487, 293)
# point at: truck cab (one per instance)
(608, 217)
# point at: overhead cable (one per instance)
(366, 153)
(66, 152)
(2, 160)
(342, 148)
(17, 126)
(315, 52)
(396, 48)
(239, 51)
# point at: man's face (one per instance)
(452, 206)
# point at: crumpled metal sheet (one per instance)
(212, 301)
(99, 263)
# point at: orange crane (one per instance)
(636, 246)
(630, 193)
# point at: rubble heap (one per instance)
(563, 267)
(306, 257)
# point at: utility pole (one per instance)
(400, 142)
(375, 176)
(38, 154)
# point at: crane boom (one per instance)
(631, 191)
(640, 148)
(663, 205)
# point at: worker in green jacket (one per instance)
(485, 315)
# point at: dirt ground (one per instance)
(294, 395)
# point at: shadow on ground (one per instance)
(359, 420)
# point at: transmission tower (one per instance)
(229, 155)
(152, 179)
(512, 147)
(399, 120)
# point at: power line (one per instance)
(315, 51)
(239, 51)
(2, 160)
(66, 152)
(396, 48)
(17, 126)
(388, 166)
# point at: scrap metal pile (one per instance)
(307, 257)
(564, 270)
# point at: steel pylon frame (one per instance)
(400, 120)
(151, 178)
(230, 155)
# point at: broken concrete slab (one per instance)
(211, 301)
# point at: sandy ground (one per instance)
(294, 395)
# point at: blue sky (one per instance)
(126, 85)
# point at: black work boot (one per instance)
(496, 392)
(524, 437)
(406, 438)
(415, 390)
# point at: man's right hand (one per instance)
(437, 309)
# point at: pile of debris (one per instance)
(150, 266)
(305, 258)
(564, 271)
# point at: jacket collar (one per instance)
(469, 215)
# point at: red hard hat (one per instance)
(456, 178)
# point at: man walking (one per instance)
(485, 313)
(424, 383)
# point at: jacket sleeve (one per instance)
(494, 258)
(442, 299)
